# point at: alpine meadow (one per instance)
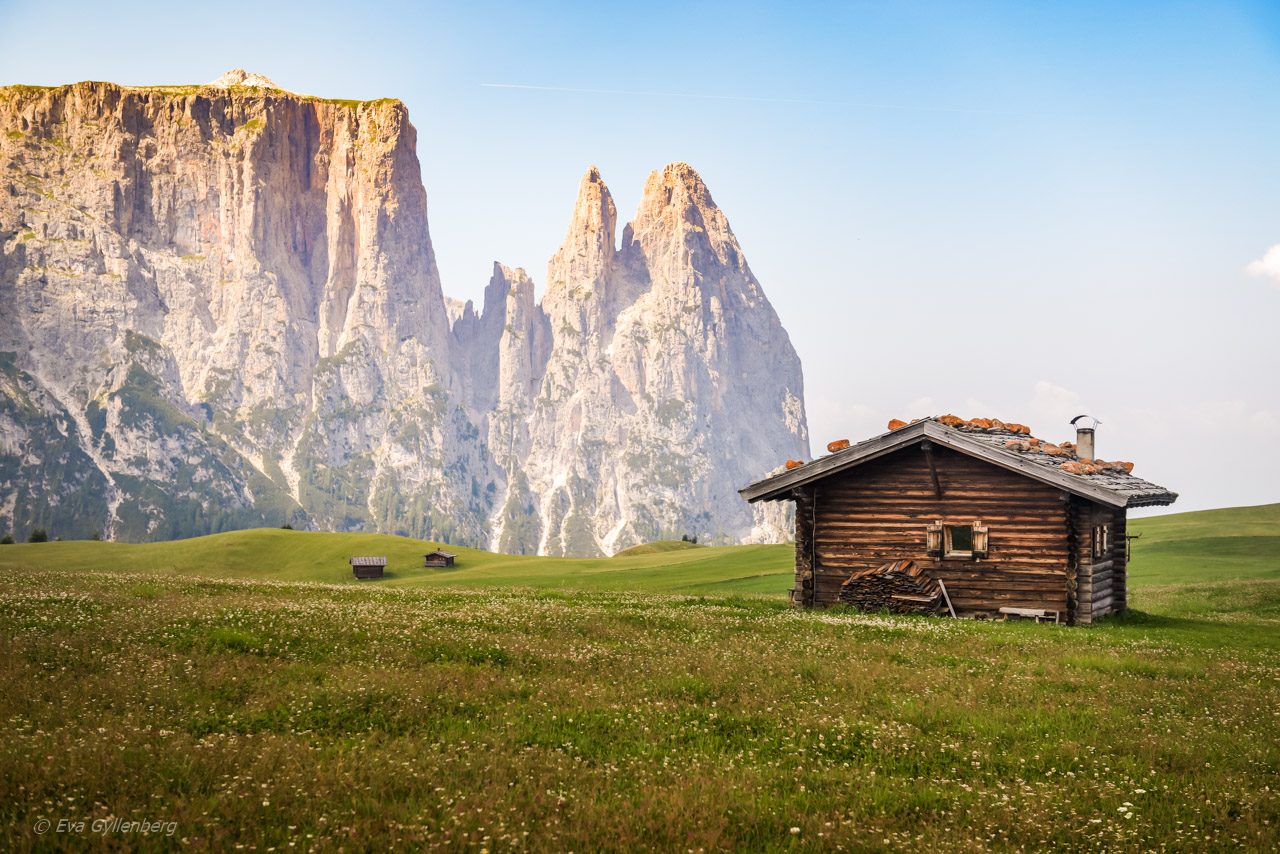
(246, 688)
(399, 452)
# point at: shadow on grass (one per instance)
(431, 571)
(1133, 618)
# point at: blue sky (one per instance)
(1025, 210)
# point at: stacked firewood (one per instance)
(901, 587)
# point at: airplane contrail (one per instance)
(748, 98)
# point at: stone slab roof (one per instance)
(1010, 446)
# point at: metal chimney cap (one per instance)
(1092, 426)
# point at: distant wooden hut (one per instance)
(1012, 525)
(368, 567)
(438, 558)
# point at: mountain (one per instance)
(220, 308)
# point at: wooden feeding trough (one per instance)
(438, 559)
(368, 567)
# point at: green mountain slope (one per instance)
(1240, 543)
(1237, 541)
(304, 556)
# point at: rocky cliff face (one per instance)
(219, 307)
(666, 381)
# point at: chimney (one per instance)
(1084, 436)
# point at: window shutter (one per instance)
(979, 539)
(933, 541)
(1101, 541)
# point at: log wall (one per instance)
(1102, 581)
(879, 512)
(802, 593)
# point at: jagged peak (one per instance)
(677, 209)
(456, 309)
(683, 171)
(240, 77)
(676, 182)
(505, 284)
(588, 249)
(513, 275)
(594, 195)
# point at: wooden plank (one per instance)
(946, 597)
(933, 469)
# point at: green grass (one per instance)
(281, 555)
(532, 704)
(1183, 546)
(657, 546)
(1175, 549)
(1182, 562)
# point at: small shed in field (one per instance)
(438, 558)
(1009, 523)
(368, 567)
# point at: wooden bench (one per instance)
(1038, 614)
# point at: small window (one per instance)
(959, 539)
(1101, 540)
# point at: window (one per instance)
(967, 541)
(1101, 540)
(959, 541)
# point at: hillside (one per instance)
(657, 546)
(277, 555)
(1238, 542)
(267, 715)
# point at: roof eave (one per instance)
(780, 485)
(776, 487)
(1163, 499)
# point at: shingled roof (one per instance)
(1009, 446)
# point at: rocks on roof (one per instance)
(1018, 438)
(1004, 443)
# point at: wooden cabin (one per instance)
(368, 567)
(1004, 520)
(438, 558)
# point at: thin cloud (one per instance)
(1053, 406)
(750, 99)
(1268, 266)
